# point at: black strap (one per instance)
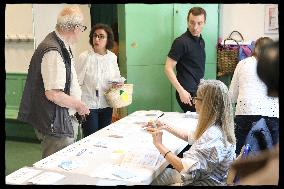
(71, 52)
(242, 38)
(67, 62)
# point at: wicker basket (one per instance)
(120, 97)
(228, 55)
(227, 58)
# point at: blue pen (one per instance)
(246, 150)
(245, 154)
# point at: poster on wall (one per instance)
(271, 19)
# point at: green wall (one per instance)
(146, 33)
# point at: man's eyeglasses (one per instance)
(82, 27)
(100, 36)
(194, 99)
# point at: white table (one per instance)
(119, 154)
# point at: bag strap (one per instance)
(230, 36)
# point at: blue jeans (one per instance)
(243, 124)
(96, 120)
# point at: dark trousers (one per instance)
(186, 107)
(96, 120)
(243, 124)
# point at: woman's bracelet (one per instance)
(166, 153)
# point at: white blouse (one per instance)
(208, 159)
(250, 93)
(94, 72)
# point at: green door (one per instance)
(146, 32)
(14, 86)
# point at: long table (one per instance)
(119, 154)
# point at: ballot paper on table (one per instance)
(77, 151)
(69, 164)
(21, 175)
(46, 178)
(190, 114)
(140, 158)
(50, 162)
(112, 171)
(123, 173)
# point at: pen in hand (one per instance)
(155, 122)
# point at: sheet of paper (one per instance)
(106, 171)
(106, 182)
(69, 165)
(78, 151)
(141, 158)
(46, 178)
(98, 143)
(21, 175)
(50, 162)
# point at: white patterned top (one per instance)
(94, 73)
(250, 93)
(208, 159)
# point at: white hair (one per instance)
(68, 18)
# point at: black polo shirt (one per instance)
(189, 52)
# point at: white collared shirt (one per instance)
(94, 73)
(54, 73)
(250, 93)
(208, 159)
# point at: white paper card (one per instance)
(21, 175)
(46, 178)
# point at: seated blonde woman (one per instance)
(213, 150)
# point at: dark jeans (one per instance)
(243, 124)
(96, 120)
(186, 107)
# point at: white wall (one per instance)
(21, 18)
(248, 19)
(45, 16)
(18, 21)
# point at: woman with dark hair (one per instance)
(263, 169)
(96, 69)
(250, 94)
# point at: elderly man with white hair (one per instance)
(52, 94)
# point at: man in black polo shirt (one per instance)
(187, 54)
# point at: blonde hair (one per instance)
(68, 18)
(216, 109)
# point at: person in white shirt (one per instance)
(250, 94)
(96, 69)
(213, 149)
(52, 94)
